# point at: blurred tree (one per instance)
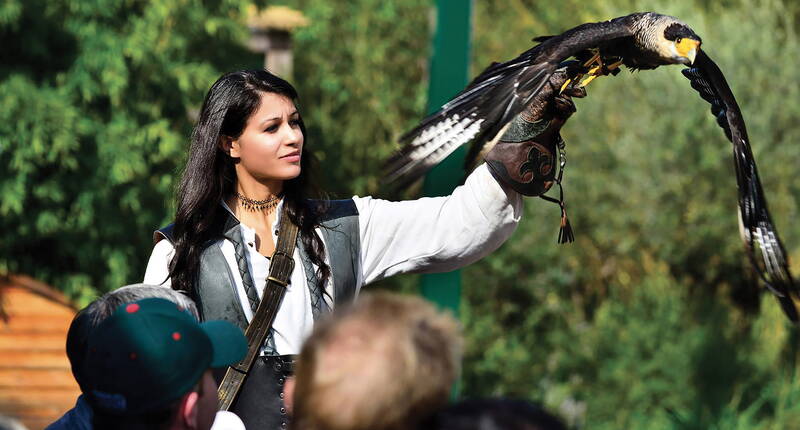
(99, 97)
(654, 302)
(361, 68)
(97, 101)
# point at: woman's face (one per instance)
(271, 144)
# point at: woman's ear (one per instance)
(229, 146)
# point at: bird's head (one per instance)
(681, 43)
(670, 39)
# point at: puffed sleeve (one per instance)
(436, 234)
(157, 272)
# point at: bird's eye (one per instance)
(678, 40)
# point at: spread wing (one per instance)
(755, 221)
(493, 99)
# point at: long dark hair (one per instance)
(210, 177)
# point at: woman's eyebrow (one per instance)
(266, 120)
(277, 118)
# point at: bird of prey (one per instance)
(639, 41)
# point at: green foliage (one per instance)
(96, 105)
(651, 320)
(360, 70)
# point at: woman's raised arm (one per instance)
(436, 234)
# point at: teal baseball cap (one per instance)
(149, 353)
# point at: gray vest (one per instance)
(215, 291)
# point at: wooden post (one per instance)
(271, 34)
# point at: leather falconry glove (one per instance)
(529, 156)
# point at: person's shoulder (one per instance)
(334, 209)
(77, 418)
(220, 214)
(165, 232)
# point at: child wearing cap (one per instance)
(149, 367)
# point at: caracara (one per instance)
(639, 41)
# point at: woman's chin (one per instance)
(285, 174)
(293, 172)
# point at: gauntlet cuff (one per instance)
(527, 164)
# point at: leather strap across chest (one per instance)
(280, 271)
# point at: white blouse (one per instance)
(431, 234)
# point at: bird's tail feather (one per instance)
(478, 113)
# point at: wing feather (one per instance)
(755, 221)
(493, 99)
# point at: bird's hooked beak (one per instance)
(687, 50)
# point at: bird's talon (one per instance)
(614, 66)
(589, 79)
(564, 87)
(595, 57)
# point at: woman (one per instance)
(247, 163)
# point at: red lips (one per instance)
(292, 157)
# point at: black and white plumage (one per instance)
(504, 89)
(639, 41)
(755, 222)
